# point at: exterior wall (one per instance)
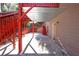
(66, 28)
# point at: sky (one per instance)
(39, 1)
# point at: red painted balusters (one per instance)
(7, 27)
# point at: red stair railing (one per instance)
(8, 25)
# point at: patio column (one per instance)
(20, 29)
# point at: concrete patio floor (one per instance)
(33, 48)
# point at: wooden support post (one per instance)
(20, 26)
(20, 29)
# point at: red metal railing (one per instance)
(8, 25)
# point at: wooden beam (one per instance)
(53, 5)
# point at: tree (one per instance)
(6, 7)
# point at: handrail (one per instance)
(8, 26)
(9, 14)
